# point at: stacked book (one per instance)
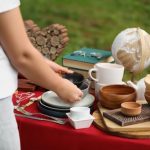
(84, 59)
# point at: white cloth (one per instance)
(8, 75)
(9, 135)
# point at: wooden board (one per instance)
(112, 126)
(118, 117)
(99, 122)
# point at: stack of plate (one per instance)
(52, 105)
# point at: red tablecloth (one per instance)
(42, 135)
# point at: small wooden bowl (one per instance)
(111, 96)
(131, 108)
(147, 97)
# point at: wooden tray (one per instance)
(99, 122)
(118, 117)
(112, 126)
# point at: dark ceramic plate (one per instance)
(42, 103)
(75, 78)
(53, 111)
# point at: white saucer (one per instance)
(52, 99)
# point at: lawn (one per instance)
(90, 23)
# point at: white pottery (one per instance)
(79, 112)
(107, 73)
(140, 88)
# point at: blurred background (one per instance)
(90, 23)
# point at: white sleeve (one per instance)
(6, 5)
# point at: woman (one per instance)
(17, 53)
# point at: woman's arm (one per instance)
(27, 60)
(57, 68)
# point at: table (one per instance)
(41, 135)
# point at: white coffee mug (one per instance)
(107, 73)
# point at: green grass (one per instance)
(91, 23)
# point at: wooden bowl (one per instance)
(111, 96)
(147, 82)
(147, 90)
(147, 97)
(131, 108)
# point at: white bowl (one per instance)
(79, 112)
(80, 123)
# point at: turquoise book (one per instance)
(85, 58)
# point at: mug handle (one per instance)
(90, 74)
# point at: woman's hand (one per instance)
(68, 92)
(57, 68)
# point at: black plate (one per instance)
(47, 106)
(52, 112)
(61, 113)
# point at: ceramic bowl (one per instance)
(111, 96)
(76, 78)
(131, 108)
(147, 97)
(85, 88)
(80, 123)
(79, 112)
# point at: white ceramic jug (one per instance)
(140, 88)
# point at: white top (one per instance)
(8, 75)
